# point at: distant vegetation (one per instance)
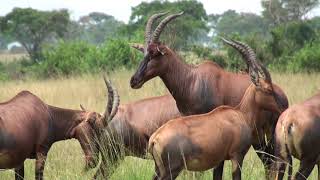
(283, 36)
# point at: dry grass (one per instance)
(65, 160)
(8, 57)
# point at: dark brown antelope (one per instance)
(298, 135)
(199, 89)
(29, 127)
(201, 142)
(128, 132)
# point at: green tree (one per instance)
(288, 38)
(98, 27)
(231, 22)
(282, 11)
(184, 31)
(32, 27)
(4, 41)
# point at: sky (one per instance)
(121, 9)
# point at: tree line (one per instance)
(284, 35)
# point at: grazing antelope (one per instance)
(29, 127)
(201, 142)
(298, 134)
(199, 89)
(131, 128)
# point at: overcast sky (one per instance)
(121, 9)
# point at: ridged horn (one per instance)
(248, 56)
(162, 24)
(150, 22)
(252, 57)
(239, 48)
(113, 102)
(108, 108)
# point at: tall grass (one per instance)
(65, 159)
(9, 57)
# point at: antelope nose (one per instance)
(133, 81)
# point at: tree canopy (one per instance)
(282, 11)
(33, 27)
(185, 30)
(242, 23)
(98, 27)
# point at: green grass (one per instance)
(65, 159)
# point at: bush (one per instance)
(201, 51)
(220, 59)
(68, 58)
(4, 76)
(306, 59)
(116, 53)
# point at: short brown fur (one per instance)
(297, 134)
(200, 142)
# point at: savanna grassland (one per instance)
(65, 159)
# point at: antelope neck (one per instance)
(248, 105)
(178, 79)
(63, 121)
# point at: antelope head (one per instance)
(155, 53)
(92, 124)
(265, 95)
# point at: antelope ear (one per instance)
(137, 46)
(161, 50)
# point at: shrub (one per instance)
(220, 59)
(201, 51)
(77, 57)
(4, 76)
(116, 53)
(306, 59)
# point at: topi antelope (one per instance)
(297, 134)
(29, 127)
(199, 89)
(130, 129)
(201, 142)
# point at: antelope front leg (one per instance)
(218, 172)
(40, 161)
(19, 172)
(236, 167)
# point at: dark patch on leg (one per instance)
(290, 128)
(7, 141)
(180, 144)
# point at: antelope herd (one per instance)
(211, 115)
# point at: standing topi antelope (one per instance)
(199, 89)
(127, 134)
(298, 134)
(29, 127)
(201, 142)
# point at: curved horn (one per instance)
(248, 55)
(239, 48)
(151, 20)
(115, 104)
(266, 74)
(252, 57)
(162, 24)
(110, 99)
